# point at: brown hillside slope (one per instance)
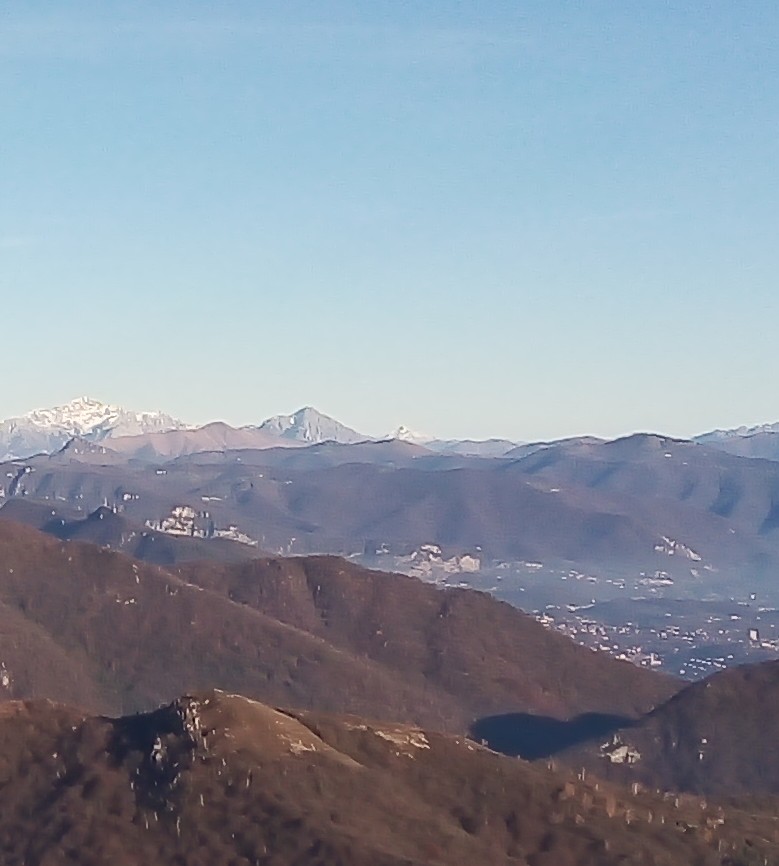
(484, 652)
(331, 636)
(140, 635)
(218, 780)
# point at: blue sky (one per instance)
(525, 219)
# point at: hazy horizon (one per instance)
(216, 418)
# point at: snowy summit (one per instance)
(48, 430)
(310, 425)
(405, 434)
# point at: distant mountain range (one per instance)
(470, 447)
(144, 434)
(643, 505)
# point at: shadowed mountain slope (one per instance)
(715, 737)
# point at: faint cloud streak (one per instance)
(15, 242)
(61, 37)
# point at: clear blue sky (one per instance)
(527, 219)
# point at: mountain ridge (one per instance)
(311, 632)
(48, 429)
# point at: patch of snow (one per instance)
(406, 434)
(670, 547)
(310, 425)
(49, 430)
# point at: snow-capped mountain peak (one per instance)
(737, 432)
(310, 425)
(87, 417)
(47, 430)
(406, 434)
(78, 416)
(761, 440)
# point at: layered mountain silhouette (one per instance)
(95, 628)
(643, 503)
(47, 430)
(138, 568)
(153, 434)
